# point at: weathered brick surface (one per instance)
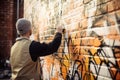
(8, 17)
(90, 48)
(5, 27)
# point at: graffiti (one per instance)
(90, 48)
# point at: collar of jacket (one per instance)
(21, 38)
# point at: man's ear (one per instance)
(30, 32)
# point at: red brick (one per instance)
(101, 9)
(113, 18)
(99, 2)
(84, 24)
(99, 21)
(77, 41)
(86, 1)
(98, 12)
(118, 16)
(110, 6)
(78, 3)
(113, 5)
(116, 4)
(82, 34)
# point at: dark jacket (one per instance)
(38, 49)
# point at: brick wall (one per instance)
(90, 48)
(6, 10)
(8, 17)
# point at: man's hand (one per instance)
(60, 29)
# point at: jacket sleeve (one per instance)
(38, 49)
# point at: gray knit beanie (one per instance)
(23, 26)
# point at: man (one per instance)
(25, 53)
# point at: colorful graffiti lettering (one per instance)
(90, 48)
